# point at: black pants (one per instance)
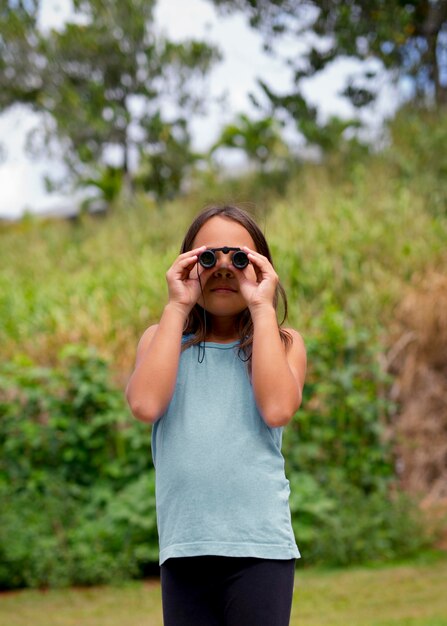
(227, 591)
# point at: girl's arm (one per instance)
(278, 372)
(151, 385)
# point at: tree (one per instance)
(259, 139)
(19, 80)
(409, 37)
(163, 170)
(104, 83)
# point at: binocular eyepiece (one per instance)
(208, 259)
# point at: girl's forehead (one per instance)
(220, 231)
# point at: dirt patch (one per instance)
(418, 361)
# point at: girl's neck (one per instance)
(222, 330)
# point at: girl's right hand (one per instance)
(183, 280)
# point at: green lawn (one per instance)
(403, 595)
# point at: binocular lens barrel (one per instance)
(208, 258)
(240, 259)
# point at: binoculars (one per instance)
(239, 258)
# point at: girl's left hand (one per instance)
(258, 290)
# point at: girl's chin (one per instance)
(223, 311)
(223, 304)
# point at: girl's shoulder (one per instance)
(149, 333)
(296, 355)
(295, 336)
(146, 339)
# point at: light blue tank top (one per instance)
(220, 482)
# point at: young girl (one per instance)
(219, 379)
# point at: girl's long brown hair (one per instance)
(198, 319)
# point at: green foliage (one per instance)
(76, 482)
(339, 524)
(417, 154)
(53, 538)
(77, 488)
(370, 528)
(18, 23)
(72, 425)
(109, 183)
(76, 478)
(339, 462)
(329, 136)
(163, 171)
(259, 139)
(344, 407)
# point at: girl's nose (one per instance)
(223, 271)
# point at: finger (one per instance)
(202, 273)
(258, 265)
(261, 262)
(257, 257)
(186, 261)
(193, 252)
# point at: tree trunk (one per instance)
(127, 176)
(436, 18)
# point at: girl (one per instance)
(219, 379)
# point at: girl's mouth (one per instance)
(223, 289)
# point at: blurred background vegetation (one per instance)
(358, 235)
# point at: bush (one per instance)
(77, 485)
(51, 539)
(342, 525)
(339, 430)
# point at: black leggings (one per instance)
(227, 591)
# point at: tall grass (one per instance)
(356, 242)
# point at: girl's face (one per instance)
(222, 296)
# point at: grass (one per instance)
(357, 241)
(398, 595)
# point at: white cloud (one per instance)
(54, 13)
(21, 178)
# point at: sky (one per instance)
(229, 82)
